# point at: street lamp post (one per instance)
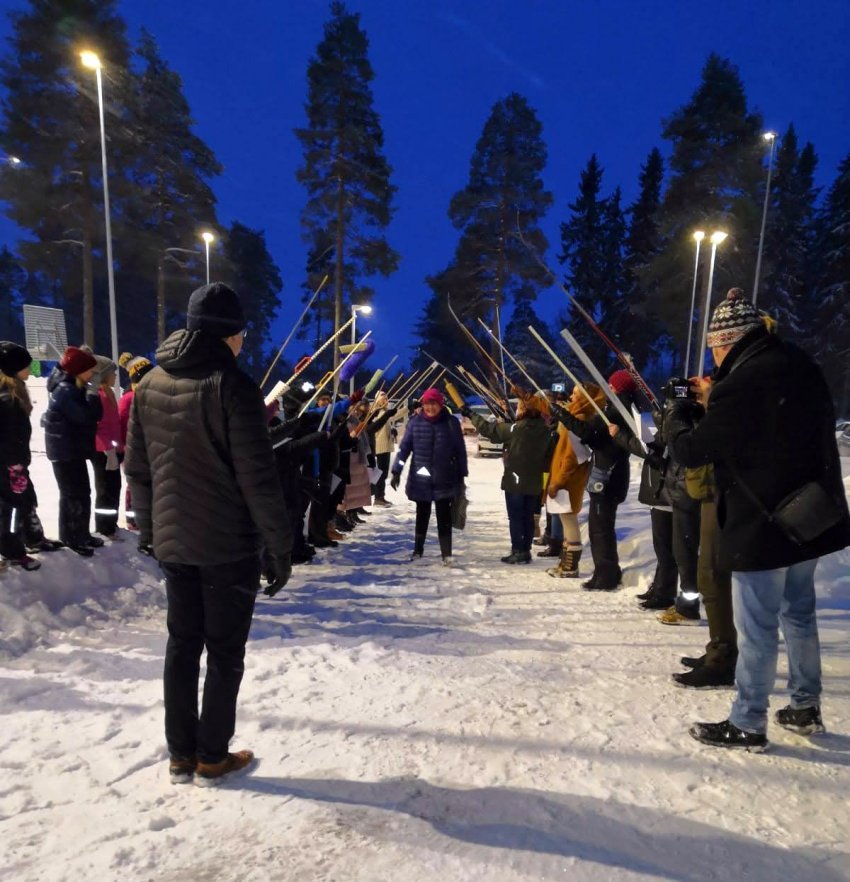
(716, 239)
(699, 235)
(355, 308)
(92, 62)
(208, 239)
(771, 138)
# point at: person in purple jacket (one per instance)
(433, 442)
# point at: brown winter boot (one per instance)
(210, 774)
(568, 564)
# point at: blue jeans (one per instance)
(521, 510)
(762, 601)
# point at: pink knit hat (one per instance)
(434, 395)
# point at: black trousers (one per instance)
(72, 478)
(521, 510)
(666, 579)
(444, 525)
(686, 518)
(379, 488)
(207, 607)
(107, 487)
(601, 520)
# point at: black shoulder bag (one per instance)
(803, 515)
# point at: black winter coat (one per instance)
(528, 447)
(15, 431)
(769, 422)
(70, 422)
(606, 453)
(199, 459)
(437, 454)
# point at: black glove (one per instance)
(413, 404)
(466, 410)
(278, 572)
(656, 461)
(146, 548)
(371, 461)
(395, 480)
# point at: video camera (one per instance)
(679, 389)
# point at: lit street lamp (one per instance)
(716, 239)
(770, 137)
(699, 235)
(208, 239)
(92, 62)
(355, 308)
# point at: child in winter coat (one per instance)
(109, 452)
(70, 425)
(137, 366)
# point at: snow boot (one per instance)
(45, 545)
(545, 539)
(726, 734)
(802, 720)
(210, 774)
(30, 564)
(181, 770)
(691, 661)
(553, 549)
(517, 557)
(706, 677)
(567, 567)
(94, 542)
(446, 549)
(82, 550)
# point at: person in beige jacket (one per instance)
(383, 444)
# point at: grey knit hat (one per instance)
(733, 318)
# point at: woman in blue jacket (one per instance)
(433, 442)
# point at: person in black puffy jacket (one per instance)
(70, 425)
(207, 498)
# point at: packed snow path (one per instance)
(412, 722)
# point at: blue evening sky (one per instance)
(601, 76)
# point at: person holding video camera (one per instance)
(766, 425)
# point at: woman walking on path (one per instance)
(433, 442)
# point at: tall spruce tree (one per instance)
(592, 254)
(345, 173)
(49, 118)
(525, 348)
(171, 168)
(12, 281)
(716, 183)
(789, 238)
(491, 267)
(829, 333)
(255, 276)
(643, 243)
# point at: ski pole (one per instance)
(579, 385)
(518, 364)
(294, 329)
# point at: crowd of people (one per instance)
(740, 473)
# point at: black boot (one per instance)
(706, 677)
(553, 549)
(726, 734)
(418, 546)
(446, 548)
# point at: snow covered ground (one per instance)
(411, 723)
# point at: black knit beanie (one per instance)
(13, 358)
(215, 309)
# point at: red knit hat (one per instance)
(434, 395)
(75, 361)
(622, 381)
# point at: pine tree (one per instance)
(716, 183)
(12, 281)
(830, 329)
(592, 253)
(50, 121)
(345, 173)
(256, 278)
(643, 244)
(491, 266)
(171, 168)
(525, 348)
(789, 237)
